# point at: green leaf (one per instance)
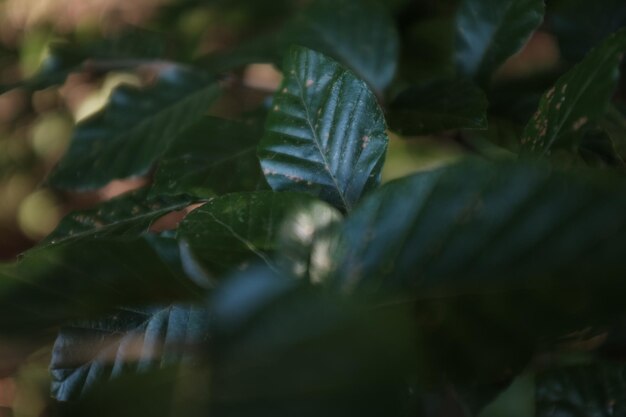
(326, 134)
(134, 129)
(490, 31)
(214, 156)
(586, 390)
(578, 98)
(234, 229)
(129, 215)
(358, 33)
(438, 106)
(282, 348)
(480, 225)
(79, 279)
(89, 352)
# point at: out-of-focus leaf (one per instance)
(233, 229)
(579, 25)
(586, 390)
(483, 225)
(516, 401)
(490, 31)
(173, 390)
(326, 134)
(282, 348)
(579, 97)
(358, 33)
(428, 50)
(127, 216)
(88, 352)
(598, 149)
(134, 129)
(614, 123)
(438, 106)
(307, 241)
(128, 49)
(214, 156)
(79, 279)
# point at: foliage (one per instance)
(267, 264)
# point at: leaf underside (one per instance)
(130, 341)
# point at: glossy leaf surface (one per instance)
(326, 133)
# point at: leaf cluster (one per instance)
(294, 278)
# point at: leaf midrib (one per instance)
(317, 142)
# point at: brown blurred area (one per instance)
(35, 129)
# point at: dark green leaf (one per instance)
(477, 223)
(579, 25)
(587, 390)
(428, 50)
(438, 106)
(88, 352)
(326, 134)
(214, 156)
(127, 216)
(134, 129)
(579, 97)
(598, 149)
(173, 390)
(358, 33)
(78, 279)
(236, 228)
(614, 123)
(490, 31)
(282, 348)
